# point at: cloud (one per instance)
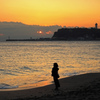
(18, 30)
(49, 32)
(1, 34)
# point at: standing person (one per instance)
(55, 75)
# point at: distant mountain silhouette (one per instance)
(77, 34)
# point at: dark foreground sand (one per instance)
(79, 87)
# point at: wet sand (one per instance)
(78, 87)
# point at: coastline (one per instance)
(69, 85)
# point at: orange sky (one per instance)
(51, 12)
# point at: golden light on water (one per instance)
(24, 63)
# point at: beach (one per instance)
(77, 87)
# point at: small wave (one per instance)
(2, 70)
(26, 68)
(70, 66)
(6, 86)
(70, 74)
(41, 80)
(10, 73)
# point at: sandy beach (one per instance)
(78, 87)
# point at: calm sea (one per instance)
(24, 63)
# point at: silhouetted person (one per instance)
(55, 75)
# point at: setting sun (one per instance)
(40, 32)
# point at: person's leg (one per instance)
(56, 83)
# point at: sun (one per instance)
(40, 32)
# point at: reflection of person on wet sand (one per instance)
(55, 75)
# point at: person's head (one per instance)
(55, 65)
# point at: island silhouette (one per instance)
(77, 33)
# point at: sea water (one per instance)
(24, 63)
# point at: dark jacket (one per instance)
(55, 72)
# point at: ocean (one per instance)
(27, 63)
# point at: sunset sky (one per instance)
(51, 12)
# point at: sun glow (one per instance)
(51, 12)
(40, 32)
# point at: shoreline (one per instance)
(69, 84)
(28, 86)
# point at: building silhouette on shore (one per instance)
(96, 26)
